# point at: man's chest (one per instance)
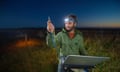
(68, 42)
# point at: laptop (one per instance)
(80, 60)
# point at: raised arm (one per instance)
(52, 40)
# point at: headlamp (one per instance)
(69, 19)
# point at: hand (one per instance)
(50, 26)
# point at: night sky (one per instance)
(34, 13)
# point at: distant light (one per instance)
(22, 43)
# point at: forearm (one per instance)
(83, 51)
(50, 39)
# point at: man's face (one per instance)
(69, 26)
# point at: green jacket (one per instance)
(66, 46)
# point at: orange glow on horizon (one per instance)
(102, 24)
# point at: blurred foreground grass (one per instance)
(37, 57)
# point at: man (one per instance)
(67, 42)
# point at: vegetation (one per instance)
(37, 57)
(106, 46)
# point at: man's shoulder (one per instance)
(60, 33)
(76, 31)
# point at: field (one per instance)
(31, 54)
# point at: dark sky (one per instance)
(34, 13)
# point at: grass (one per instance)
(105, 47)
(40, 58)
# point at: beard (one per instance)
(69, 30)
